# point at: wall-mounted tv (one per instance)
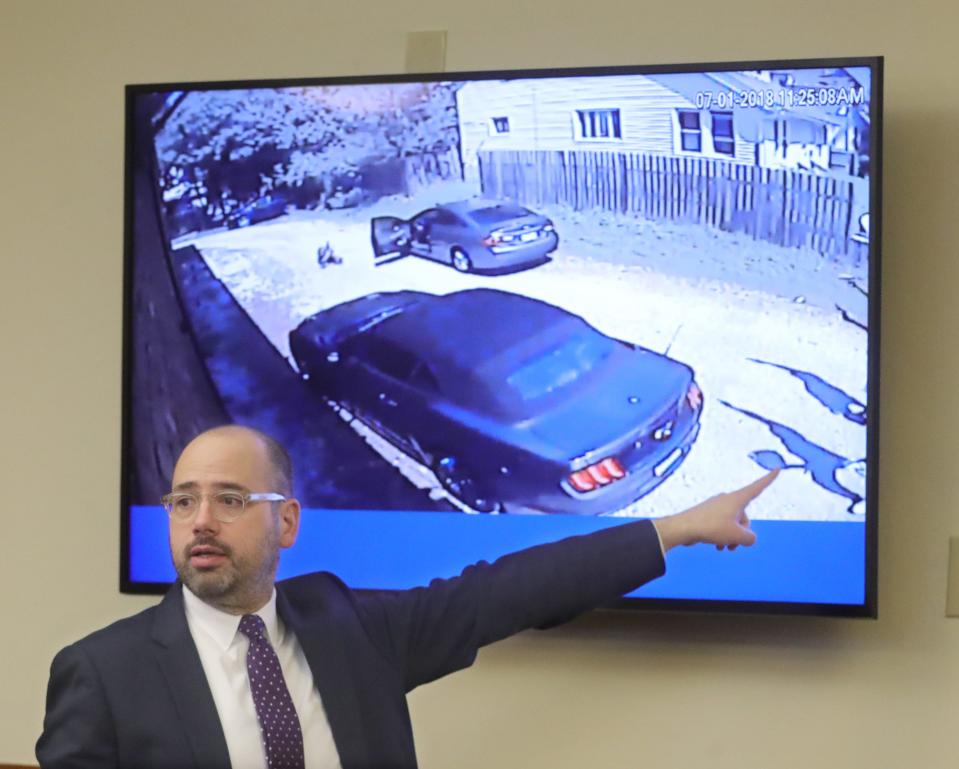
(490, 309)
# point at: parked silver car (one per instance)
(471, 235)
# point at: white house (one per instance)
(752, 118)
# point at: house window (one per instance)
(690, 132)
(598, 124)
(499, 125)
(723, 141)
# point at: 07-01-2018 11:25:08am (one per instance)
(786, 98)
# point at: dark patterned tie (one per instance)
(279, 724)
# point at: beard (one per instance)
(230, 585)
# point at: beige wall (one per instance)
(672, 692)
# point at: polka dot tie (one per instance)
(279, 724)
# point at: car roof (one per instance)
(471, 329)
(466, 207)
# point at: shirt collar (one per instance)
(222, 626)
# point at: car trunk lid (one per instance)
(628, 400)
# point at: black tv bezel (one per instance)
(867, 609)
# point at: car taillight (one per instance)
(599, 474)
(496, 238)
(694, 396)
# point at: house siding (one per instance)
(541, 116)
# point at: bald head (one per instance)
(245, 439)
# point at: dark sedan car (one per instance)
(515, 404)
(470, 235)
(259, 210)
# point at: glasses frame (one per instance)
(256, 496)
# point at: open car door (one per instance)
(391, 238)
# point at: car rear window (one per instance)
(495, 214)
(558, 367)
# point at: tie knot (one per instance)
(252, 627)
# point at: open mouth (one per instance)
(206, 556)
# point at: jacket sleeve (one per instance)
(431, 631)
(78, 729)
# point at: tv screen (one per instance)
(487, 310)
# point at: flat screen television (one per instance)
(484, 310)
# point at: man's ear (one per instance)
(289, 522)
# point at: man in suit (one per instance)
(232, 670)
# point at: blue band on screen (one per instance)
(795, 561)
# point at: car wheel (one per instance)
(458, 483)
(460, 260)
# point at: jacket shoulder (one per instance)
(315, 588)
(127, 634)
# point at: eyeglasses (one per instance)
(226, 506)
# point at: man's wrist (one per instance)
(672, 531)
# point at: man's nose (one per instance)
(204, 520)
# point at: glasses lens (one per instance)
(180, 505)
(228, 505)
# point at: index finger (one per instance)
(754, 489)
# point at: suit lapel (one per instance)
(181, 666)
(330, 664)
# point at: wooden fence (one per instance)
(788, 208)
(424, 168)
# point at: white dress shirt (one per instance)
(222, 649)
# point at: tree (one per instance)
(231, 146)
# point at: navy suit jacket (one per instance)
(134, 695)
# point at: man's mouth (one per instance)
(206, 556)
